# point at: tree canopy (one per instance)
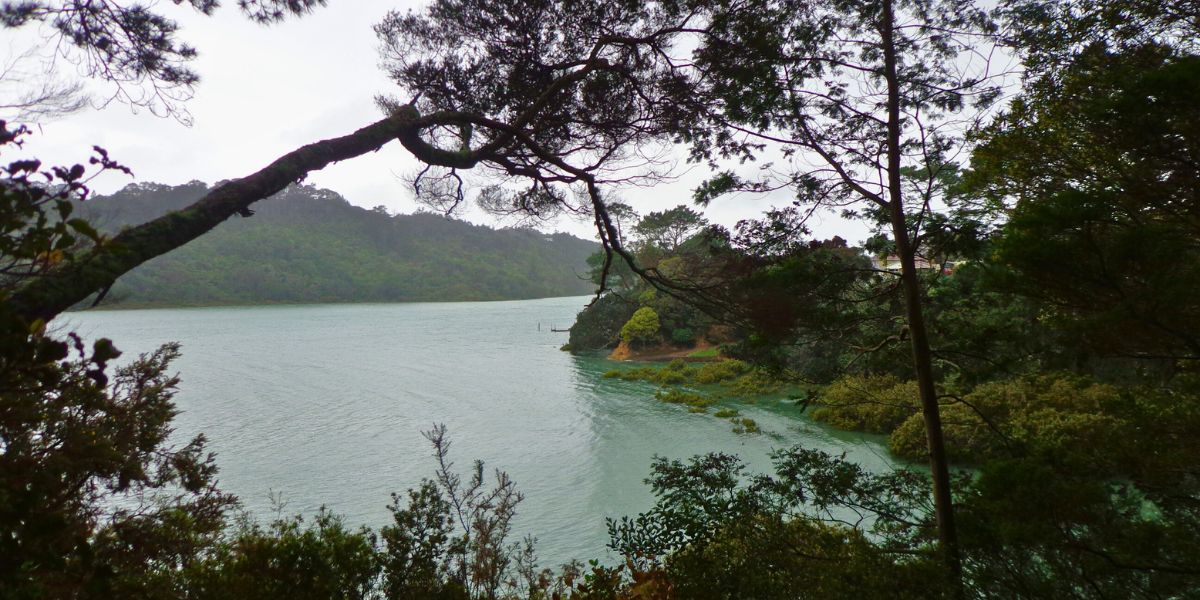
(1058, 359)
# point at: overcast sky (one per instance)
(266, 90)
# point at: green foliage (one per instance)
(618, 277)
(1104, 219)
(679, 322)
(415, 546)
(599, 324)
(287, 559)
(716, 532)
(38, 229)
(726, 413)
(677, 396)
(642, 327)
(721, 371)
(757, 382)
(671, 377)
(666, 231)
(872, 404)
(735, 378)
(683, 336)
(1111, 513)
(310, 245)
(94, 499)
(1054, 414)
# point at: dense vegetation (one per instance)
(1047, 338)
(632, 311)
(310, 245)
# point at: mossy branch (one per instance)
(47, 296)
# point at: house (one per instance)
(891, 262)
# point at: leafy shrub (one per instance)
(755, 383)
(642, 327)
(676, 372)
(289, 560)
(674, 396)
(638, 374)
(683, 336)
(670, 377)
(1055, 414)
(717, 372)
(647, 297)
(871, 404)
(599, 325)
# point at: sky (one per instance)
(266, 90)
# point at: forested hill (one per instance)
(310, 245)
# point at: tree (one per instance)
(1096, 172)
(561, 95)
(621, 214)
(857, 94)
(667, 230)
(129, 46)
(29, 96)
(642, 327)
(506, 104)
(94, 502)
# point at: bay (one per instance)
(325, 405)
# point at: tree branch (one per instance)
(45, 297)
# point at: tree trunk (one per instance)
(47, 296)
(922, 357)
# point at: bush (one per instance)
(1056, 414)
(289, 560)
(755, 383)
(683, 336)
(725, 370)
(686, 398)
(599, 325)
(641, 328)
(671, 377)
(871, 404)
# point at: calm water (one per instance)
(325, 405)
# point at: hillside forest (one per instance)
(310, 245)
(1022, 325)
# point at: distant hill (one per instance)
(310, 245)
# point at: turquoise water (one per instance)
(325, 405)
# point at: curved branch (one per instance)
(47, 296)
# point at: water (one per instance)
(325, 405)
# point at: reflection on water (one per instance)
(325, 405)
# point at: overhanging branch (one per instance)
(47, 296)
